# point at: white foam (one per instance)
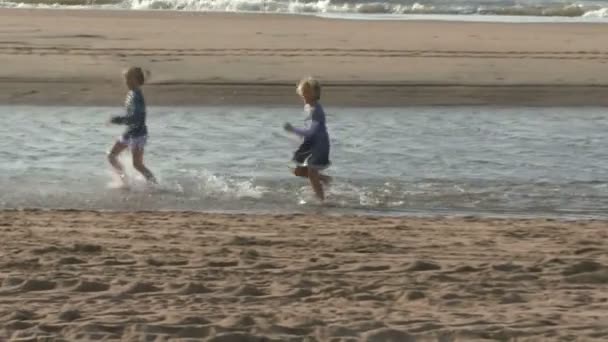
(361, 9)
(465, 18)
(116, 182)
(226, 188)
(600, 13)
(133, 180)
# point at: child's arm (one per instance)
(306, 132)
(134, 113)
(120, 119)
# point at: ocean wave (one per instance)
(600, 13)
(405, 7)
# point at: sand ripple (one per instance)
(69, 275)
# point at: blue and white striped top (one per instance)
(135, 117)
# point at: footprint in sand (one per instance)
(86, 248)
(508, 267)
(238, 322)
(266, 266)
(193, 288)
(20, 315)
(466, 269)
(582, 267)
(12, 281)
(70, 260)
(33, 285)
(150, 332)
(387, 335)
(248, 290)
(415, 295)
(177, 319)
(167, 262)
(597, 277)
(335, 331)
(69, 315)
(112, 261)
(239, 337)
(421, 266)
(371, 268)
(139, 287)
(249, 254)
(512, 298)
(90, 286)
(222, 263)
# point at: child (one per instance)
(313, 154)
(136, 134)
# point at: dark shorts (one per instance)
(133, 142)
(315, 157)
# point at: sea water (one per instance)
(455, 160)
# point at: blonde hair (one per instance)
(310, 83)
(137, 73)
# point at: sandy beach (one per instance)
(75, 58)
(152, 276)
(167, 276)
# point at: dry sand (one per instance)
(213, 277)
(75, 58)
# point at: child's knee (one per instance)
(111, 156)
(300, 172)
(138, 165)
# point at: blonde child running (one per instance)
(136, 134)
(313, 154)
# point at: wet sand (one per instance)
(75, 58)
(152, 276)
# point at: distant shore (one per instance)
(58, 57)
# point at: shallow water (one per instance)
(513, 161)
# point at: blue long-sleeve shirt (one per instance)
(314, 150)
(307, 132)
(135, 117)
(316, 115)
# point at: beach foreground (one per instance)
(75, 58)
(81, 275)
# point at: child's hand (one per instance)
(288, 127)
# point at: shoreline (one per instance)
(53, 57)
(351, 95)
(332, 212)
(333, 215)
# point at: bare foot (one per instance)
(119, 181)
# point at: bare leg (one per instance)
(301, 171)
(138, 164)
(325, 179)
(315, 181)
(114, 152)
